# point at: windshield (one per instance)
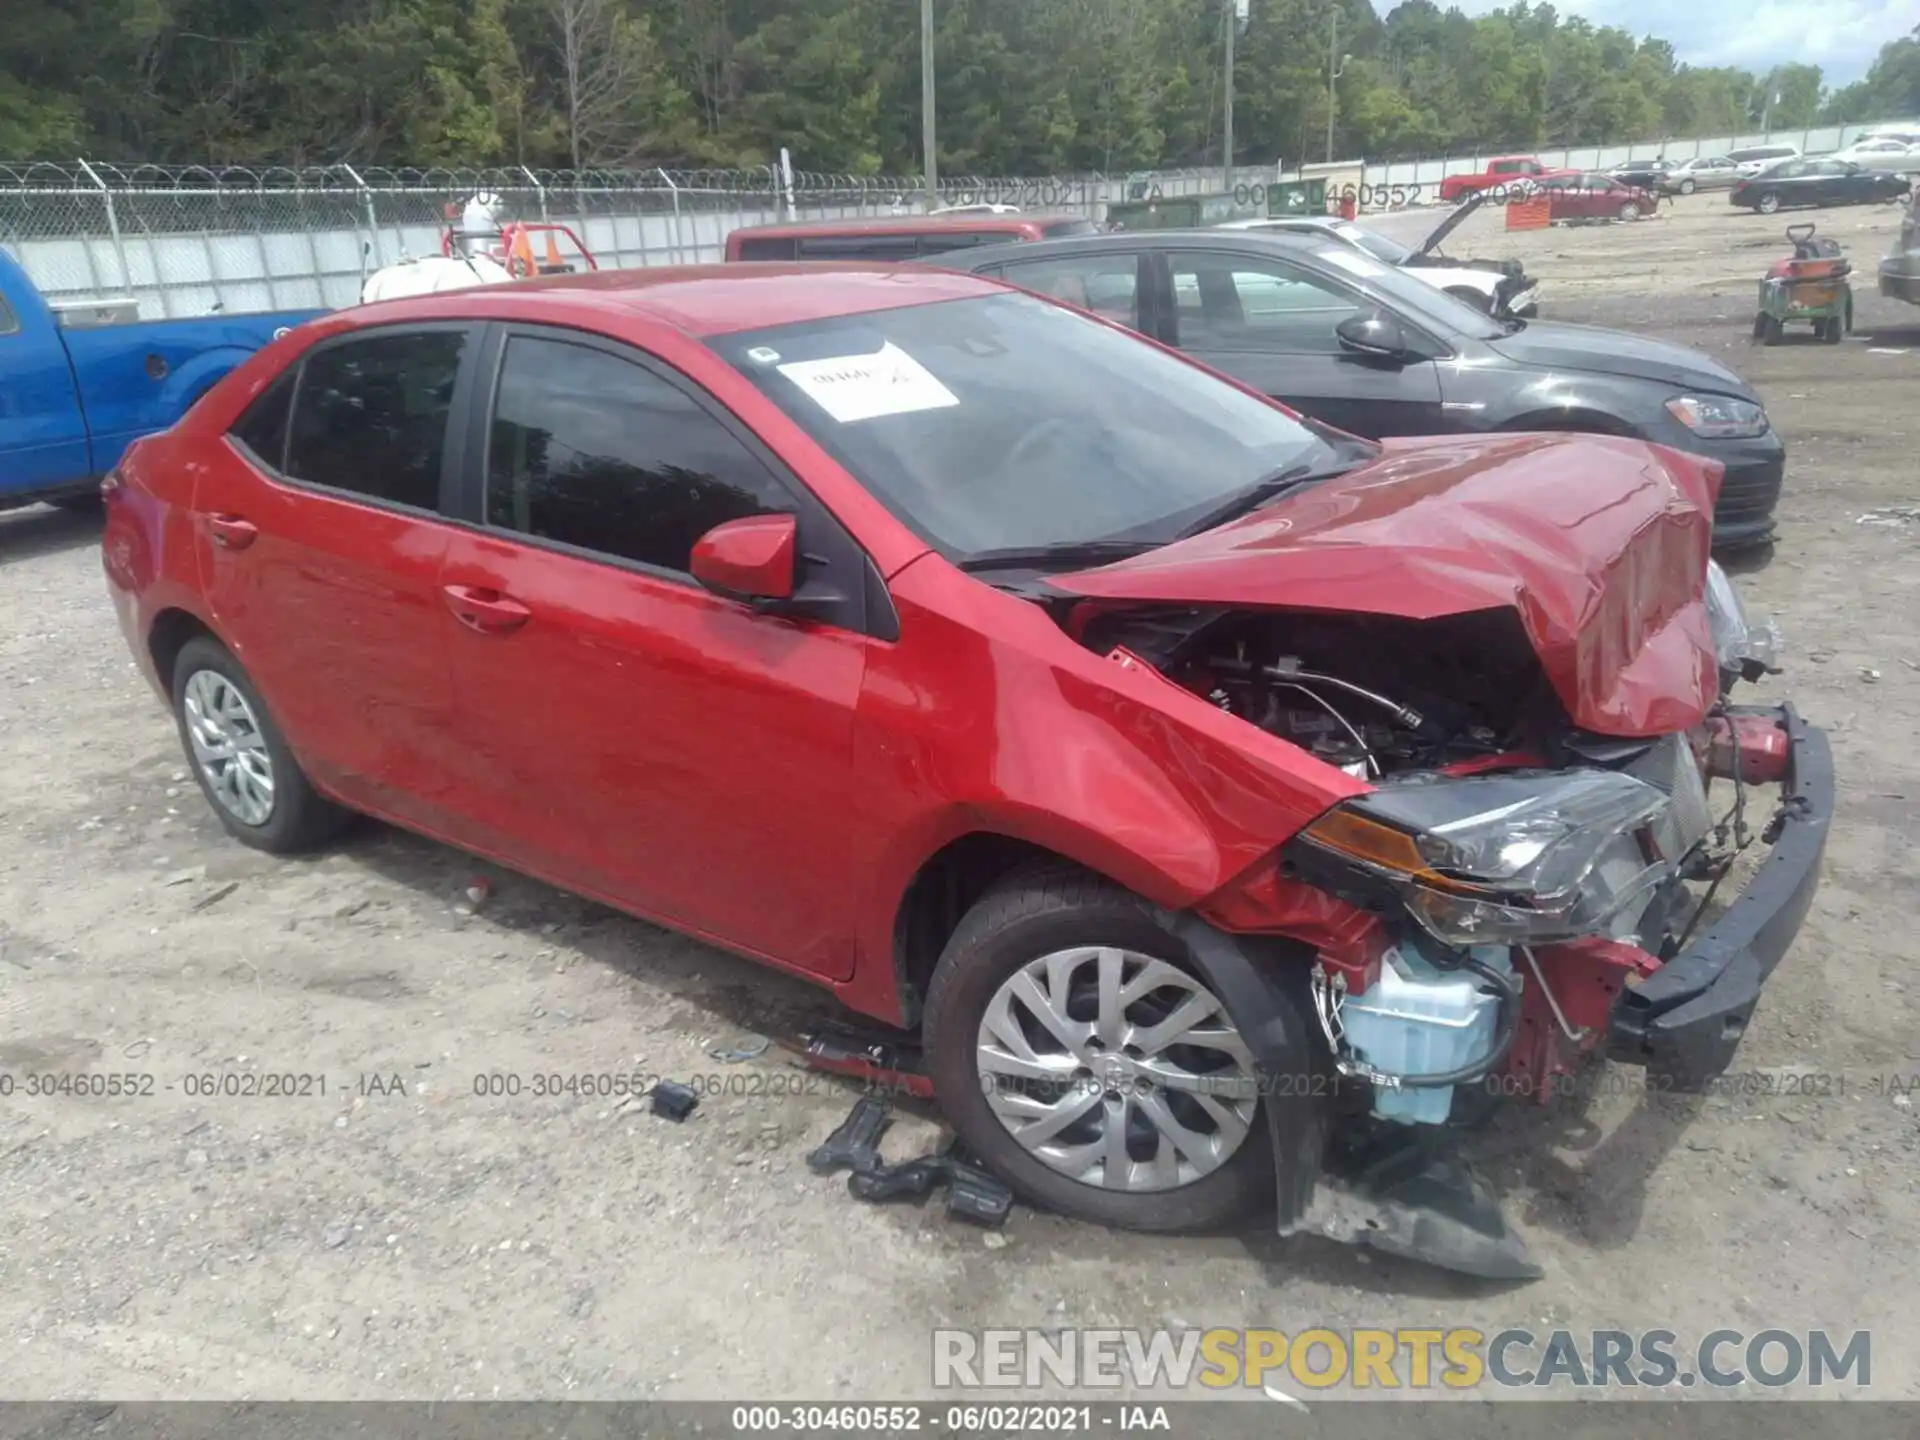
(1006, 422)
(1378, 246)
(1425, 305)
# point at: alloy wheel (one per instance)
(229, 746)
(1116, 1069)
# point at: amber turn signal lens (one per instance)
(1368, 840)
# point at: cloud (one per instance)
(1842, 37)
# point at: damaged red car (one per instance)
(1229, 805)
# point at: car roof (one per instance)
(1282, 222)
(699, 300)
(1118, 241)
(902, 224)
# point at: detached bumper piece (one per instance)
(1685, 1021)
(973, 1193)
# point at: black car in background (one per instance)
(1643, 174)
(1338, 335)
(1816, 182)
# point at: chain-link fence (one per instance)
(192, 240)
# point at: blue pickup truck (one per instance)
(80, 381)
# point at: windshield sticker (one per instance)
(1355, 263)
(863, 387)
(763, 355)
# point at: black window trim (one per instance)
(853, 595)
(452, 447)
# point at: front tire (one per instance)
(1629, 211)
(255, 787)
(1077, 1051)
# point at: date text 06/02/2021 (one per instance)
(1036, 1418)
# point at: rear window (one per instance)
(964, 240)
(858, 247)
(262, 427)
(370, 415)
(1067, 227)
(769, 248)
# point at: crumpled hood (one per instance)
(1600, 544)
(1614, 352)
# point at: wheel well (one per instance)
(1586, 422)
(172, 629)
(940, 893)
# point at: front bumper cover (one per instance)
(1685, 1021)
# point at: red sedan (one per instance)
(1593, 196)
(1176, 766)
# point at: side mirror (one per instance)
(748, 559)
(1374, 337)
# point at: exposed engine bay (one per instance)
(1373, 695)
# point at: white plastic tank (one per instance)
(1418, 1019)
(430, 275)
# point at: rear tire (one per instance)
(1768, 204)
(1052, 913)
(1687, 187)
(1833, 330)
(251, 781)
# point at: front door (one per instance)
(1271, 324)
(623, 730)
(321, 537)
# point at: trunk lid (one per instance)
(1599, 544)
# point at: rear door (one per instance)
(623, 730)
(321, 534)
(1271, 324)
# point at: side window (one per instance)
(370, 415)
(769, 248)
(9, 322)
(859, 247)
(262, 427)
(1239, 302)
(1108, 285)
(597, 452)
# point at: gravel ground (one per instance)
(403, 1236)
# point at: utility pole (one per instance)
(1336, 67)
(931, 161)
(1238, 13)
(1226, 145)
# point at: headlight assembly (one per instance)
(1718, 417)
(1506, 859)
(1742, 647)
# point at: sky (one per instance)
(1840, 36)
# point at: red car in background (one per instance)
(1590, 195)
(1221, 797)
(1510, 172)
